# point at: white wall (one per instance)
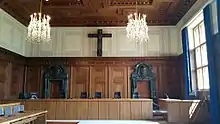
(188, 17)
(74, 42)
(12, 34)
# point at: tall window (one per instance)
(198, 57)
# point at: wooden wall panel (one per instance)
(51, 107)
(118, 81)
(93, 114)
(125, 110)
(103, 110)
(17, 79)
(114, 110)
(159, 89)
(3, 79)
(171, 84)
(136, 108)
(82, 110)
(99, 81)
(108, 75)
(79, 82)
(145, 108)
(60, 113)
(34, 79)
(11, 74)
(105, 74)
(130, 70)
(71, 110)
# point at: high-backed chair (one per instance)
(98, 95)
(117, 95)
(84, 95)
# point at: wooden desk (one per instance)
(20, 118)
(9, 104)
(93, 109)
(179, 110)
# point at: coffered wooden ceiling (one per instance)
(99, 12)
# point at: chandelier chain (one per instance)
(41, 6)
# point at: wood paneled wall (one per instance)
(106, 75)
(11, 74)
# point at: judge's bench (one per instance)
(91, 109)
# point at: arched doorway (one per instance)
(143, 73)
(55, 82)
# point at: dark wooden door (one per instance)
(143, 89)
(55, 89)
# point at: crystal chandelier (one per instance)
(137, 29)
(39, 27)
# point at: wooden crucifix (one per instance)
(99, 37)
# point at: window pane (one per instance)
(192, 60)
(199, 79)
(193, 77)
(196, 36)
(202, 33)
(206, 77)
(204, 55)
(198, 57)
(191, 40)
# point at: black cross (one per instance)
(99, 37)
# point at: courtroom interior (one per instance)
(109, 61)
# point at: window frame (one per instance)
(194, 59)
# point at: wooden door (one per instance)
(55, 89)
(143, 89)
